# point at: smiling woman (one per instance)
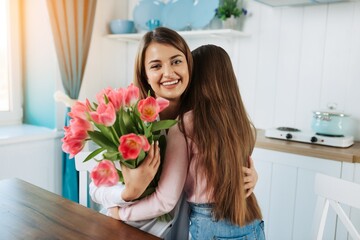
(10, 70)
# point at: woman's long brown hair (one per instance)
(164, 36)
(223, 133)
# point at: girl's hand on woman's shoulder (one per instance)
(251, 177)
(137, 179)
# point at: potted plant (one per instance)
(229, 12)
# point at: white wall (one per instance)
(297, 59)
(108, 63)
(300, 59)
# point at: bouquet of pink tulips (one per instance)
(122, 126)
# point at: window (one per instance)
(10, 67)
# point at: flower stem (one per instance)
(115, 133)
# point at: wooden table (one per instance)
(29, 212)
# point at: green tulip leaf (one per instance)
(147, 130)
(108, 133)
(129, 163)
(162, 124)
(121, 123)
(121, 177)
(140, 158)
(112, 156)
(94, 154)
(128, 121)
(102, 141)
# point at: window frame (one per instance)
(15, 115)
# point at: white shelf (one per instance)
(196, 34)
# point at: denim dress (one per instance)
(204, 227)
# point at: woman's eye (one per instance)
(156, 66)
(177, 61)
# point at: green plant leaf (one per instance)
(112, 156)
(117, 124)
(121, 177)
(129, 163)
(162, 124)
(94, 154)
(140, 158)
(129, 122)
(122, 125)
(137, 120)
(227, 9)
(102, 141)
(147, 130)
(106, 131)
(165, 218)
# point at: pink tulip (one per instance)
(100, 96)
(116, 97)
(104, 174)
(131, 145)
(78, 125)
(162, 103)
(88, 105)
(145, 143)
(72, 146)
(79, 110)
(73, 141)
(150, 107)
(78, 134)
(75, 136)
(105, 114)
(132, 95)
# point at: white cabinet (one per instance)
(32, 154)
(285, 191)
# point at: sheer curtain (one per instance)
(72, 24)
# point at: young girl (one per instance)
(163, 66)
(221, 140)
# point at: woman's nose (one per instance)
(169, 71)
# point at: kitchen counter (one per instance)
(350, 154)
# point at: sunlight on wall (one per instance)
(41, 66)
(4, 74)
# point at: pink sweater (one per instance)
(178, 175)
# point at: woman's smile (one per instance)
(170, 83)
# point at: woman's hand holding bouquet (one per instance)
(124, 128)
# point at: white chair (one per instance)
(83, 168)
(332, 192)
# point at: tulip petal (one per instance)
(162, 103)
(104, 174)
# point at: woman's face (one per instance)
(167, 71)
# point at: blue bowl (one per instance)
(120, 26)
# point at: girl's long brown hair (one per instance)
(223, 133)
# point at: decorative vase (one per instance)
(215, 23)
(231, 23)
(234, 23)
